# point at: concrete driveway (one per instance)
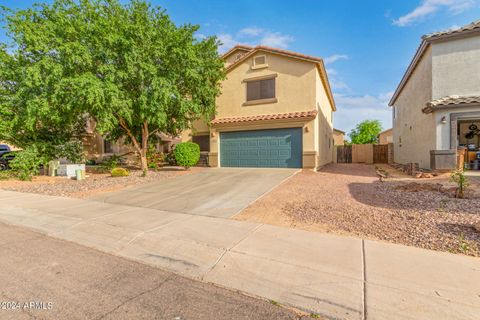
(215, 192)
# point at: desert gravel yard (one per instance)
(349, 199)
(94, 184)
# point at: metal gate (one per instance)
(380, 153)
(344, 154)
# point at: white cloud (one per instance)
(352, 110)
(430, 7)
(227, 42)
(250, 32)
(336, 81)
(334, 58)
(255, 36)
(276, 39)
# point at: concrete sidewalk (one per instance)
(335, 277)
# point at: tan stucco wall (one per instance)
(338, 138)
(456, 67)
(199, 127)
(232, 57)
(298, 88)
(413, 131)
(93, 147)
(295, 87)
(456, 71)
(325, 124)
(385, 137)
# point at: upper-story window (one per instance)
(259, 62)
(261, 89)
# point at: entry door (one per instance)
(273, 148)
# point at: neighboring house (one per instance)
(338, 137)
(275, 110)
(438, 99)
(385, 137)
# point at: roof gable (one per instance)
(465, 31)
(291, 54)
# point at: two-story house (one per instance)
(275, 110)
(436, 107)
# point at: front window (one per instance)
(107, 146)
(261, 89)
(203, 141)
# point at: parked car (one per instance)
(5, 159)
(4, 149)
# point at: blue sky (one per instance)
(366, 44)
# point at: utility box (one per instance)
(53, 167)
(69, 170)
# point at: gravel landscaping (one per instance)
(94, 184)
(350, 199)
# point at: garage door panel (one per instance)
(275, 148)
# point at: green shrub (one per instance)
(6, 174)
(119, 172)
(26, 163)
(187, 154)
(170, 158)
(155, 158)
(458, 176)
(109, 163)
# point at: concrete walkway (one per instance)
(335, 277)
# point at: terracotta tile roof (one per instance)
(264, 117)
(450, 101)
(474, 26)
(252, 50)
(238, 46)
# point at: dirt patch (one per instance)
(94, 184)
(350, 199)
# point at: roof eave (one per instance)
(235, 48)
(430, 108)
(411, 67)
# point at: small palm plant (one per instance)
(458, 176)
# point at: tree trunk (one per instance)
(141, 149)
(143, 152)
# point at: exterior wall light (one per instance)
(443, 120)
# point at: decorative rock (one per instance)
(477, 226)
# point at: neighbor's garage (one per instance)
(273, 148)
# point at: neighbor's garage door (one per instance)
(275, 148)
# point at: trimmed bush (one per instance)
(187, 154)
(26, 163)
(119, 172)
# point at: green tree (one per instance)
(129, 67)
(366, 132)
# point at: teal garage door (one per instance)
(275, 148)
